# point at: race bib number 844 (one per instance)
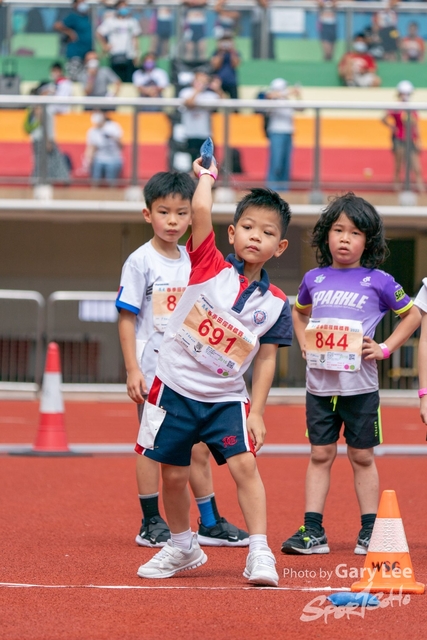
(334, 344)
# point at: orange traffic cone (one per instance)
(388, 564)
(51, 435)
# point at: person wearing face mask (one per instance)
(397, 121)
(358, 68)
(97, 81)
(149, 80)
(103, 156)
(118, 35)
(76, 30)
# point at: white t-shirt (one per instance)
(150, 287)
(197, 122)
(106, 139)
(120, 33)
(157, 77)
(421, 299)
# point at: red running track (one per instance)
(68, 523)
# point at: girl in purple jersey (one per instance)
(335, 315)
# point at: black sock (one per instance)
(149, 506)
(313, 520)
(215, 509)
(368, 520)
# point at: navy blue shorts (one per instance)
(221, 425)
(360, 414)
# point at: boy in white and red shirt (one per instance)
(152, 282)
(229, 316)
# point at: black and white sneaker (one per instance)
(222, 534)
(306, 541)
(363, 540)
(154, 534)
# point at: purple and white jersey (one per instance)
(350, 294)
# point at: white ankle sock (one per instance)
(258, 542)
(182, 540)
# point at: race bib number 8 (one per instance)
(165, 298)
(334, 344)
(215, 338)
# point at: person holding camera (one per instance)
(224, 63)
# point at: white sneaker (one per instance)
(260, 568)
(172, 559)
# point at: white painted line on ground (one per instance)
(267, 450)
(18, 585)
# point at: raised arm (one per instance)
(201, 220)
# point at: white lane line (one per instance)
(267, 450)
(18, 585)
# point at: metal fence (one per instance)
(83, 323)
(227, 107)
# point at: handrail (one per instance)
(71, 296)
(15, 294)
(224, 103)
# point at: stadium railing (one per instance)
(227, 107)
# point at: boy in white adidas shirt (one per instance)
(152, 282)
(228, 316)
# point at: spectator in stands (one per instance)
(397, 121)
(226, 20)
(224, 62)
(98, 82)
(76, 28)
(63, 88)
(280, 130)
(150, 80)
(195, 29)
(196, 121)
(327, 17)
(118, 35)
(358, 68)
(384, 22)
(57, 166)
(103, 156)
(163, 30)
(412, 47)
(375, 47)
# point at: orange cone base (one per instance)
(51, 433)
(388, 572)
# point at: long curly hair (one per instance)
(364, 216)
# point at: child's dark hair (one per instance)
(364, 216)
(166, 183)
(265, 199)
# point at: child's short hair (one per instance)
(364, 216)
(166, 183)
(265, 199)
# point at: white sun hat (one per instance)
(405, 87)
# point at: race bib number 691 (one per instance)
(215, 338)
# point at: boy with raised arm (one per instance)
(228, 316)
